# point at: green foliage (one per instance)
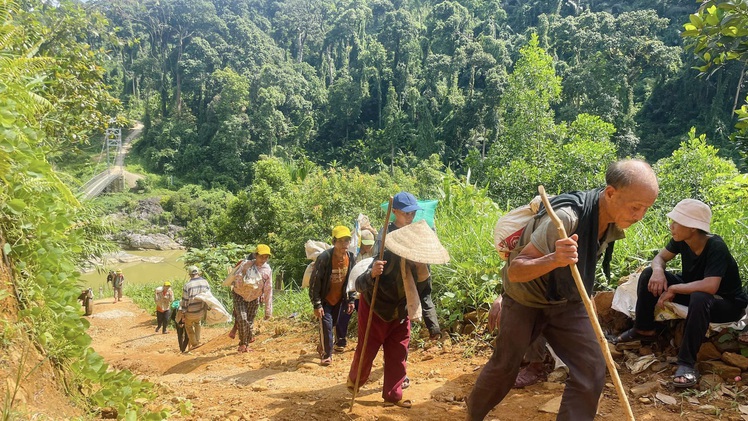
(691, 171)
(535, 150)
(270, 210)
(718, 35)
(291, 302)
(43, 228)
(464, 222)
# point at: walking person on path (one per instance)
(163, 306)
(404, 265)
(341, 328)
(327, 287)
(541, 297)
(251, 284)
(192, 311)
(118, 281)
(404, 207)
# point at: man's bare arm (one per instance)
(531, 263)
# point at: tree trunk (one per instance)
(737, 91)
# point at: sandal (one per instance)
(242, 348)
(632, 335)
(690, 374)
(326, 361)
(402, 403)
(530, 375)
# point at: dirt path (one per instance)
(280, 379)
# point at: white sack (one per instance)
(216, 312)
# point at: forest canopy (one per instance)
(375, 84)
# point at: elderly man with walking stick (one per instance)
(541, 296)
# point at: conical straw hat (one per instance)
(417, 243)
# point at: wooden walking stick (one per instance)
(321, 346)
(371, 306)
(590, 312)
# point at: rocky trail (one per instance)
(281, 379)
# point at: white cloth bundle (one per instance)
(313, 249)
(216, 312)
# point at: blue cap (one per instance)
(405, 202)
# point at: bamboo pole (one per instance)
(371, 307)
(590, 312)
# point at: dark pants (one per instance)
(162, 318)
(329, 319)
(181, 332)
(341, 328)
(703, 308)
(537, 351)
(393, 337)
(427, 306)
(568, 330)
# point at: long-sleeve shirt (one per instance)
(254, 289)
(164, 299)
(191, 290)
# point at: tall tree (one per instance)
(718, 34)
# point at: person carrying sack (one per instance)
(408, 250)
(251, 285)
(192, 311)
(327, 287)
(118, 281)
(541, 296)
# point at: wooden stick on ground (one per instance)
(590, 312)
(371, 306)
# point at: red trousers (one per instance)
(394, 338)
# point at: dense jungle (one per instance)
(271, 121)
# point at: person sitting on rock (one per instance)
(709, 284)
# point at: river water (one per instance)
(137, 273)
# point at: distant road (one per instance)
(102, 180)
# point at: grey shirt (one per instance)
(543, 237)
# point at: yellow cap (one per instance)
(119, 270)
(167, 284)
(340, 231)
(263, 249)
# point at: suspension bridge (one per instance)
(113, 177)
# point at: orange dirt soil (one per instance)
(281, 379)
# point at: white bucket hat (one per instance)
(692, 213)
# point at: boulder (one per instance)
(150, 242)
(709, 382)
(730, 345)
(736, 360)
(147, 208)
(708, 352)
(727, 372)
(612, 319)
